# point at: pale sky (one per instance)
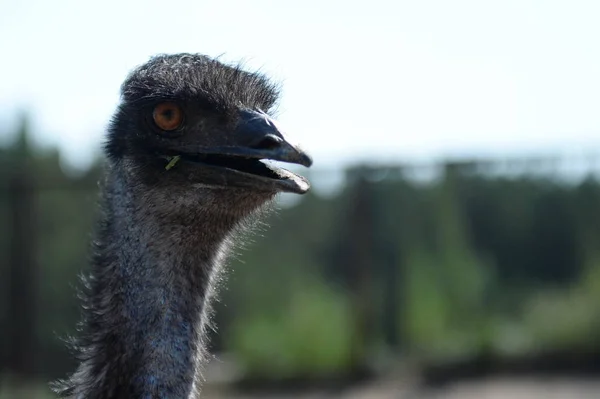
(385, 80)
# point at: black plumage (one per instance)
(183, 177)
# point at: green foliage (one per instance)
(308, 336)
(29, 389)
(479, 264)
(578, 308)
(427, 311)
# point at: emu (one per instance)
(183, 179)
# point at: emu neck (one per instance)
(156, 267)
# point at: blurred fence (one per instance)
(423, 264)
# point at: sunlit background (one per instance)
(451, 243)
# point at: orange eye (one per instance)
(168, 116)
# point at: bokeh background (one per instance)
(450, 246)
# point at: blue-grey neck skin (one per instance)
(157, 262)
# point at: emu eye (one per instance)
(168, 116)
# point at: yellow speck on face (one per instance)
(172, 162)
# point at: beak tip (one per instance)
(306, 160)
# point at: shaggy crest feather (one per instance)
(193, 75)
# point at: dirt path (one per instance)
(488, 389)
(522, 389)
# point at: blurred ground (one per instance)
(492, 388)
(522, 389)
(496, 388)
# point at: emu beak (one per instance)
(259, 136)
(256, 137)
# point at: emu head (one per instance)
(188, 122)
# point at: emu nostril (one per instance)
(269, 142)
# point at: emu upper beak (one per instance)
(259, 136)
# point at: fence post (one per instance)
(359, 248)
(22, 280)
